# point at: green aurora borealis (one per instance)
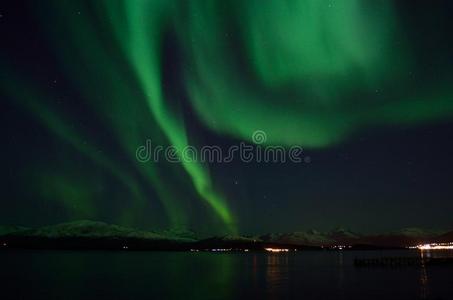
(307, 72)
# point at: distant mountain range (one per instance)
(98, 235)
(402, 238)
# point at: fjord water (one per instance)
(27, 274)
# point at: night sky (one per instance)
(364, 87)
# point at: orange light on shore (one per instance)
(436, 246)
(276, 250)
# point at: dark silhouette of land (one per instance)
(84, 235)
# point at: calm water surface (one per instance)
(181, 275)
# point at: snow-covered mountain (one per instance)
(344, 236)
(93, 229)
(7, 229)
(98, 234)
(401, 238)
(308, 238)
(341, 236)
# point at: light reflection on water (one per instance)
(424, 269)
(180, 275)
(276, 272)
(424, 292)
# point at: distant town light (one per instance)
(436, 246)
(276, 250)
(221, 250)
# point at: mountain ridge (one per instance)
(94, 233)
